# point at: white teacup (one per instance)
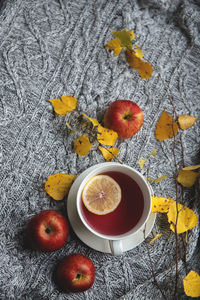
(116, 241)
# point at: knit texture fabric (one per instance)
(52, 48)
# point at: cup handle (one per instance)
(116, 247)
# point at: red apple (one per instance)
(125, 117)
(47, 231)
(75, 273)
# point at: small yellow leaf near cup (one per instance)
(166, 127)
(191, 284)
(187, 178)
(186, 121)
(106, 136)
(157, 236)
(141, 163)
(58, 185)
(82, 145)
(160, 204)
(109, 153)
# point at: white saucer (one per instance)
(88, 237)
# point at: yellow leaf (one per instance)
(133, 60)
(187, 178)
(141, 163)
(94, 121)
(145, 70)
(109, 153)
(82, 145)
(138, 52)
(186, 121)
(159, 179)
(154, 152)
(160, 204)
(106, 136)
(58, 185)
(190, 168)
(131, 33)
(191, 284)
(68, 126)
(157, 236)
(166, 127)
(187, 219)
(64, 105)
(125, 36)
(114, 45)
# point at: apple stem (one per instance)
(78, 276)
(47, 230)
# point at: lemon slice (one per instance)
(101, 194)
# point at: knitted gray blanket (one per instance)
(52, 48)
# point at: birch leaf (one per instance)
(58, 185)
(166, 127)
(64, 105)
(82, 145)
(106, 136)
(109, 153)
(144, 69)
(186, 121)
(187, 219)
(94, 121)
(157, 236)
(190, 168)
(115, 46)
(191, 284)
(138, 52)
(159, 179)
(160, 204)
(125, 36)
(141, 163)
(187, 178)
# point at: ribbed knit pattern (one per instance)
(52, 48)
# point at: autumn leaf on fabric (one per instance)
(191, 284)
(157, 236)
(64, 105)
(82, 145)
(160, 204)
(106, 136)
(186, 219)
(190, 168)
(144, 69)
(58, 185)
(157, 180)
(187, 178)
(94, 121)
(166, 127)
(109, 153)
(141, 163)
(186, 121)
(123, 40)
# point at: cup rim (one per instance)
(98, 170)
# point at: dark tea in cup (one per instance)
(127, 214)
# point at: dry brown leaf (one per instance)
(166, 127)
